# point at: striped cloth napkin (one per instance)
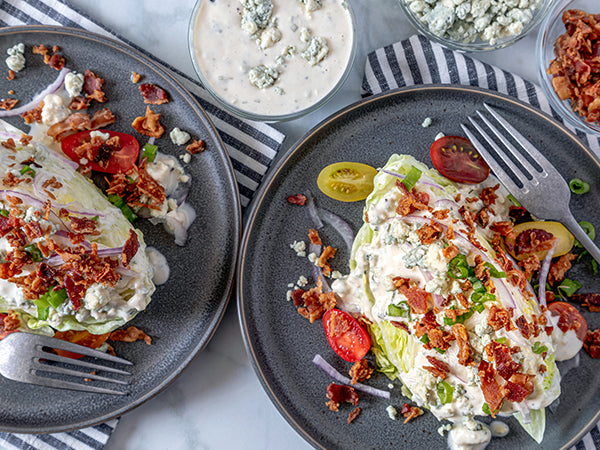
(251, 147)
(419, 61)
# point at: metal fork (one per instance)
(544, 193)
(28, 357)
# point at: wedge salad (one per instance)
(444, 292)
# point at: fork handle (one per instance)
(570, 222)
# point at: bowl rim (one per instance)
(479, 46)
(271, 118)
(543, 44)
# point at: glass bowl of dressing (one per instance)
(272, 60)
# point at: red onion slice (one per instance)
(544, 270)
(5, 136)
(313, 213)
(329, 370)
(340, 225)
(51, 89)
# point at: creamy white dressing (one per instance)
(567, 345)
(469, 435)
(226, 54)
(159, 264)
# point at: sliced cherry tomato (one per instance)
(121, 160)
(345, 335)
(347, 181)
(83, 337)
(456, 159)
(570, 318)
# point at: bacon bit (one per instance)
(153, 94)
(441, 214)
(10, 144)
(92, 86)
(450, 252)
(503, 228)
(439, 339)
(410, 412)
(25, 139)
(590, 301)
(527, 329)
(131, 334)
(591, 343)
(426, 324)
(417, 299)
(11, 321)
(313, 235)
(56, 61)
(135, 77)
(353, 415)
(8, 103)
(339, 393)
(429, 233)
(488, 195)
(533, 240)
(52, 182)
(530, 265)
(327, 253)
(149, 124)
(11, 181)
(462, 299)
(35, 115)
(102, 118)
(519, 387)
(360, 371)
(130, 248)
(459, 331)
(438, 368)
(401, 325)
(559, 268)
(298, 199)
(80, 102)
(11, 75)
(499, 318)
(40, 50)
(501, 354)
(468, 218)
(83, 225)
(314, 302)
(492, 391)
(72, 124)
(197, 146)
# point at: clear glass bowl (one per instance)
(249, 114)
(479, 44)
(549, 31)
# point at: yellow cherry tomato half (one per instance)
(556, 229)
(347, 181)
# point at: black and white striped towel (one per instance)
(251, 147)
(419, 61)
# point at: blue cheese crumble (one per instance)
(467, 20)
(316, 48)
(16, 58)
(263, 76)
(311, 5)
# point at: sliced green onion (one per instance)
(439, 350)
(477, 285)
(115, 200)
(34, 252)
(43, 307)
(594, 267)
(459, 319)
(149, 151)
(588, 228)
(538, 348)
(494, 273)
(411, 178)
(424, 339)
(516, 202)
(458, 267)
(26, 170)
(54, 298)
(501, 340)
(119, 203)
(486, 409)
(396, 311)
(569, 287)
(445, 392)
(4, 212)
(578, 186)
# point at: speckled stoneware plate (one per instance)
(186, 310)
(282, 344)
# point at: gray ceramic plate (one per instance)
(282, 344)
(186, 310)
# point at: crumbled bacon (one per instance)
(590, 300)
(360, 371)
(35, 115)
(135, 77)
(130, 248)
(410, 201)
(92, 86)
(429, 233)
(591, 343)
(149, 124)
(72, 124)
(353, 415)
(11, 75)
(102, 118)
(11, 321)
(56, 61)
(438, 368)
(488, 195)
(527, 329)
(461, 335)
(131, 334)
(492, 391)
(440, 214)
(197, 146)
(298, 199)
(153, 94)
(8, 103)
(417, 298)
(410, 412)
(327, 253)
(503, 228)
(530, 265)
(559, 268)
(499, 317)
(313, 235)
(314, 302)
(501, 354)
(340, 393)
(80, 102)
(518, 387)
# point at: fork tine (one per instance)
(504, 178)
(37, 365)
(60, 384)
(528, 146)
(76, 362)
(69, 346)
(516, 153)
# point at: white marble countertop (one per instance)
(218, 402)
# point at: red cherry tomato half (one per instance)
(456, 159)
(570, 318)
(345, 335)
(121, 160)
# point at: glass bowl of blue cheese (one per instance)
(272, 60)
(475, 25)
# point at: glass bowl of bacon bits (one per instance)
(568, 57)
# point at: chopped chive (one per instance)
(578, 186)
(538, 348)
(412, 177)
(26, 170)
(445, 392)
